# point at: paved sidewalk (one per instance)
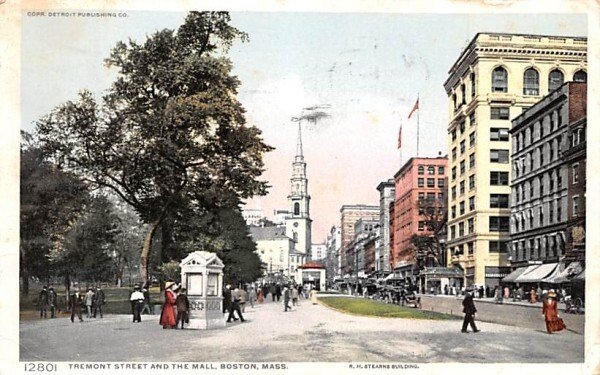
(306, 333)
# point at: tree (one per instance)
(50, 201)
(169, 132)
(428, 247)
(86, 253)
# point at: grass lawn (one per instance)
(367, 307)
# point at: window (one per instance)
(499, 178)
(471, 226)
(462, 188)
(471, 203)
(463, 94)
(461, 207)
(430, 182)
(440, 170)
(472, 139)
(453, 173)
(499, 200)
(530, 219)
(555, 79)
(575, 170)
(462, 147)
(531, 82)
(461, 127)
(431, 169)
(440, 183)
(453, 135)
(453, 232)
(421, 169)
(453, 192)
(420, 182)
(558, 179)
(499, 113)
(541, 154)
(454, 154)
(499, 80)
(558, 210)
(462, 167)
(296, 208)
(473, 85)
(454, 103)
(550, 212)
(470, 248)
(580, 76)
(421, 225)
(499, 224)
(541, 215)
(471, 182)
(461, 229)
(575, 205)
(541, 185)
(531, 190)
(577, 137)
(472, 119)
(498, 246)
(453, 211)
(499, 134)
(471, 161)
(499, 156)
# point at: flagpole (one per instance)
(418, 110)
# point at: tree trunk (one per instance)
(146, 251)
(25, 280)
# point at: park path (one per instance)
(304, 334)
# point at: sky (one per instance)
(369, 69)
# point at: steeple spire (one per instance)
(299, 153)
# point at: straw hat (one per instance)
(552, 293)
(169, 284)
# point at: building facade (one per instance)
(274, 249)
(495, 78)
(253, 216)
(365, 233)
(350, 214)
(334, 243)
(318, 252)
(298, 224)
(382, 250)
(419, 185)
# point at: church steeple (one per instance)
(299, 153)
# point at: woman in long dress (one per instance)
(260, 297)
(168, 313)
(550, 312)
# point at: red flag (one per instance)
(400, 137)
(415, 108)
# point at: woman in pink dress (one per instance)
(260, 298)
(169, 313)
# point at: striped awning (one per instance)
(516, 273)
(566, 274)
(538, 274)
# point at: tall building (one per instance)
(420, 194)
(298, 224)
(365, 233)
(350, 214)
(318, 252)
(495, 78)
(334, 243)
(382, 249)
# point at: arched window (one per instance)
(555, 79)
(531, 82)
(580, 76)
(296, 208)
(499, 80)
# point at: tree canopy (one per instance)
(169, 132)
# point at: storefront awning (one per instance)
(516, 273)
(566, 274)
(536, 275)
(580, 277)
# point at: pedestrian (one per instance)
(242, 298)
(554, 322)
(148, 306)
(313, 296)
(487, 291)
(252, 296)
(295, 295)
(52, 299)
(533, 297)
(183, 308)
(273, 291)
(506, 292)
(278, 292)
(99, 300)
(261, 296)
(469, 310)
(286, 298)
(137, 303)
(234, 307)
(75, 304)
(43, 301)
(168, 312)
(226, 298)
(481, 291)
(89, 302)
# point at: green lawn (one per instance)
(367, 307)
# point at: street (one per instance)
(307, 333)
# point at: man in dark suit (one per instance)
(469, 310)
(76, 303)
